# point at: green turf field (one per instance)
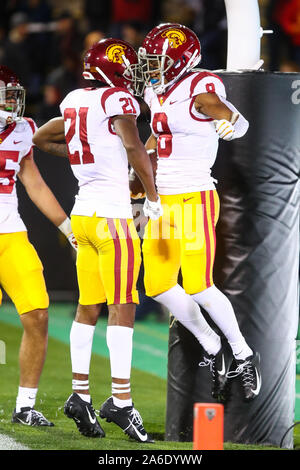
(148, 385)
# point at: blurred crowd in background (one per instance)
(44, 41)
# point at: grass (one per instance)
(55, 386)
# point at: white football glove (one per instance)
(224, 129)
(153, 209)
(66, 229)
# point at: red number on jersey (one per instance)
(128, 106)
(87, 156)
(210, 88)
(6, 186)
(164, 141)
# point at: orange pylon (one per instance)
(208, 426)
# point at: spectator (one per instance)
(92, 37)
(133, 33)
(64, 78)
(279, 43)
(67, 40)
(17, 52)
(98, 14)
(50, 105)
(208, 19)
(128, 11)
(38, 13)
(288, 16)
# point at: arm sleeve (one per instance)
(121, 102)
(241, 125)
(206, 82)
(32, 129)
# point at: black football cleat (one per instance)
(30, 417)
(249, 370)
(219, 366)
(127, 418)
(84, 416)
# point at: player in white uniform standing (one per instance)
(189, 113)
(21, 271)
(99, 127)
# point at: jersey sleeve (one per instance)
(117, 101)
(206, 82)
(31, 129)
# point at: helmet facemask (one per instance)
(154, 68)
(134, 74)
(12, 103)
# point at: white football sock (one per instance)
(119, 343)
(85, 397)
(26, 397)
(119, 389)
(188, 313)
(122, 403)
(81, 341)
(80, 385)
(220, 310)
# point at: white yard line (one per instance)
(7, 443)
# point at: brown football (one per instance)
(136, 188)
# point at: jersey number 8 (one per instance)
(164, 141)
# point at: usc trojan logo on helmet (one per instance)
(176, 37)
(114, 53)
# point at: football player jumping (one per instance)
(189, 113)
(21, 271)
(99, 127)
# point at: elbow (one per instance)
(130, 148)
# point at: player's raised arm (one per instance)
(51, 137)
(229, 123)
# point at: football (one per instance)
(136, 188)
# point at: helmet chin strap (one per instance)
(5, 118)
(89, 76)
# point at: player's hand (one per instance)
(72, 241)
(153, 209)
(66, 229)
(224, 129)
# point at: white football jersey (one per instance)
(15, 144)
(97, 156)
(187, 141)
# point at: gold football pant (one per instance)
(108, 259)
(184, 237)
(21, 273)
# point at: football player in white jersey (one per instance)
(99, 127)
(189, 113)
(21, 271)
